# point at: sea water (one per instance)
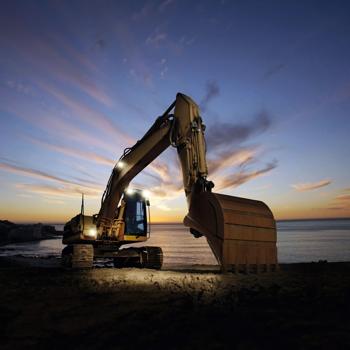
(297, 241)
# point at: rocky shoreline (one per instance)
(15, 233)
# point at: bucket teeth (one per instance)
(241, 232)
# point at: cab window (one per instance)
(135, 217)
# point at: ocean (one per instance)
(297, 241)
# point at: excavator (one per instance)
(240, 232)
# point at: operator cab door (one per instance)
(135, 216)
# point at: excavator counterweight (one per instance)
(241, 232)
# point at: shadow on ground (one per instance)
(304, 306)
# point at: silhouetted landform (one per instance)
(302, 306)
(314, 219)
(13, 233)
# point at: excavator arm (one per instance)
(133, 161)
(240, 232)
(185, 131)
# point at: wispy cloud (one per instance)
(229, 158)
(20, 87)
(99, 44)
(227, 134)
(211, 90)
(58, 185)
(161, 169)
(164, 4)
(34, 173)
(302, 187)
(70, 123)
(51, 54)
(65, 190)
(166, 191)
(186, 41)
(78, 153)
(87, 114)
(226, 153)
(343, 198)
(273, 70)
(237, 179)
(156, 38)
(54, 201)
(341, 202)
(143, 12)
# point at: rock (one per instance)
(11, 233)
(25, 232)
(5, 227)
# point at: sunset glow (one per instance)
(78, 84)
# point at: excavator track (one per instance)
(144, 257)
(78, 256)
(152, 257)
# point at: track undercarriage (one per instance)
(83, 255)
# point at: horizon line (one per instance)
(175, 222)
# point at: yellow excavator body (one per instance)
(241, 232)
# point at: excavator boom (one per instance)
(241, 232)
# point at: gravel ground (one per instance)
(303, 306)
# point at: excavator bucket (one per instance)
(241, 232)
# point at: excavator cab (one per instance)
(136, 210)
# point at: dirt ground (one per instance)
(303, 306)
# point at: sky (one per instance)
(82, 80)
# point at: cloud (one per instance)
(186, 40)
(33, 173)
(90, 156)
(68, 190)
(273, 70)
(59, 186)
(225, 152)
(130, 48)
(163, 207)
(342, 201)
(142, 75)
(57, 125)
(54, 201)
(20, 87)
(163, 71)
(99, 44)
(168, 182)
(212, 90)
(226, 134)
(242, 177)
(70, 122)
(302, 187)
(161, 169)
(156, 38)
(167, 186)
(157, 170)
(87, 114)
(167, 190)
(163, 67)
(143, 12)
(343, 197)
(164, 5)
(24, 195)
(229, 158)
(51, 55)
